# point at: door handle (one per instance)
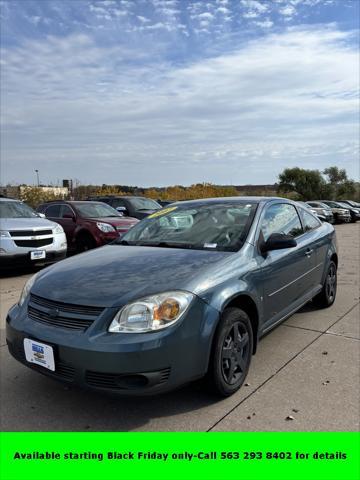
(308, 252)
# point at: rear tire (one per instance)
(327, 296)
(231, 354)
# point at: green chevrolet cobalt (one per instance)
(186, 293)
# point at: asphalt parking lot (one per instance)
(304, 377)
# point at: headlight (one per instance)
(58, 229)
(105, 227)
(4, 233)
(26, 290)
(151, 313)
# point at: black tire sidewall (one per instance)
(229, 317)
(84, 240)
(330, 302)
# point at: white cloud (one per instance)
(258, 6)
(142, 19)
(35, 19)
(287, 11)
(250, 14)
(223, 10)
(206, 16)
(264, 24)
(96, 114)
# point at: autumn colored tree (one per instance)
(34, 196)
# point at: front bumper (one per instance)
(12, 255)
(340, 217)
(24, 260)
(329, 218)
(126, 364)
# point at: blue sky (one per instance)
(163, 92)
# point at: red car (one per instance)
(87, 224)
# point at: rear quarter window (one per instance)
(309, 221)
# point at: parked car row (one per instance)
(335, 212)
(28, 238)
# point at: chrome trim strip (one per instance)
(293, 281)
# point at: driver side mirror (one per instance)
(278, 241)
(122, 211)
(41, 215)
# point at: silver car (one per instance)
(26, 238)
(321, 209)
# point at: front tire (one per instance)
(232, 351)
(85, 242)
(327, 296)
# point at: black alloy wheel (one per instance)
(232, 351)
(328, 293)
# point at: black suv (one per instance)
(137, 207)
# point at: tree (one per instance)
(306, 184)
(335, 175)
(341, 186)
(34, 196)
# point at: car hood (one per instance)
(34, 223)
(116, 274)
(117, 221)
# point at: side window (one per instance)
(66, 210)
(309, 221)
(117, 202)
(281, 218)
(53, 211)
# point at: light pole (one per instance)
(37, 176)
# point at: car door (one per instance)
(317, 242)
(52, 212)
(68, 222)
(283, 271)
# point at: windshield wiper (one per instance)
(164, 244)
(149, 208)
(161, 244)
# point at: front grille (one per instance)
(114, 381)
(34, 243)
(29, 233)
(63, 371)
(62, 315)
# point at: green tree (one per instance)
(341, 186)
(306, 184)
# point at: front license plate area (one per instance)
(39, 354)
(37, 254)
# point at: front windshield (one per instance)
(353, 204)
(16, 210)
(323, 205)
(140, 203)
(345, 205)
(96, 210)
(211, 226)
